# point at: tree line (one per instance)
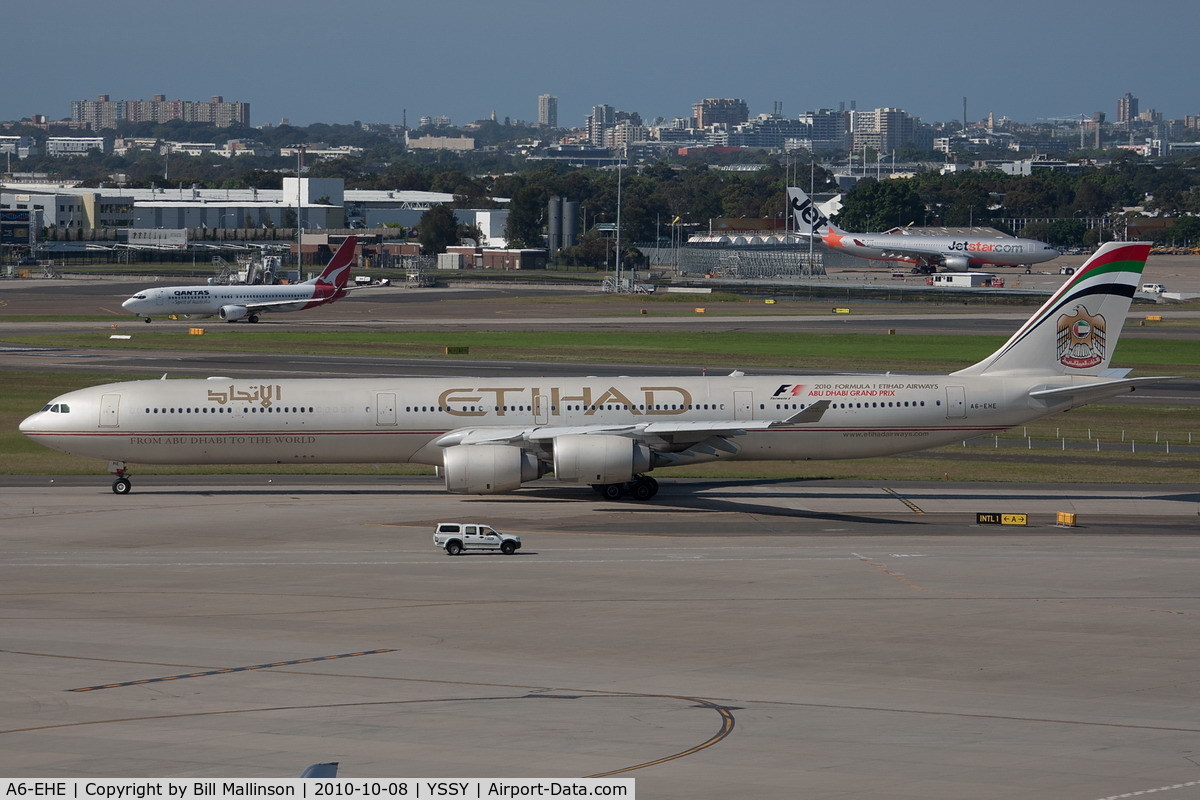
(681, 195)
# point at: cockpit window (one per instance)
(57, 408)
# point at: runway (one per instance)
(783, 639)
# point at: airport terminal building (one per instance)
(315, 203)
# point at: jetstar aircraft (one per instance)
(491, 435)
(953, 253)
(232, 303)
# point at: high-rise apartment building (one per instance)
(717, 110)
(896, 128)
(887, 129)
(603, 117)
(547, 111)
(829, 128)
(104, 112)
(1127, 108)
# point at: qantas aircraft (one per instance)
(491, 435)
(952, 253)
(232, 303)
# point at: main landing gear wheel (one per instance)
(612, 491)
(252, 318)
(643, 488)
(122, 485)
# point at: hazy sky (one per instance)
(370, 60)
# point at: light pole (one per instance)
(618, 251)
(812, 192)
(299, 208)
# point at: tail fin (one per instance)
(337, 271)
(326, 769)
(810, 219)
(1076, 330)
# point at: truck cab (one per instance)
(456, 537)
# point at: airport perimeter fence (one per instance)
(1184, 444)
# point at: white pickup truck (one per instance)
(456, 537)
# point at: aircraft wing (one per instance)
(901, 253)
(662, 436)
(266, 305)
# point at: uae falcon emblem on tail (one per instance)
(1081, 339)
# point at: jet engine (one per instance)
(583, 458)
(232, 313)
(487, 468)
(956, 263)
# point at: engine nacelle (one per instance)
(583, 458)
(956, 263)
(487, 468)
(232, 313)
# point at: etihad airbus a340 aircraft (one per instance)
(491, 435)
(233, 302)
(928, 253)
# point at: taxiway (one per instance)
(779, 639)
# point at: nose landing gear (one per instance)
(121, 484)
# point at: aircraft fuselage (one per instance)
(977, 252)
(207, 301)
(399, 420)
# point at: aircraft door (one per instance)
(743, 405)
(541, 410)
(110, 411)
(385, 408)
(956, 402)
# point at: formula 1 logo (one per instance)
(788, 390)
(1081, 339)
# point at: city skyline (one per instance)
(460, 61)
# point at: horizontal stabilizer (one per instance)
(1090, 392)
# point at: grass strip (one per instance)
(834, 352)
